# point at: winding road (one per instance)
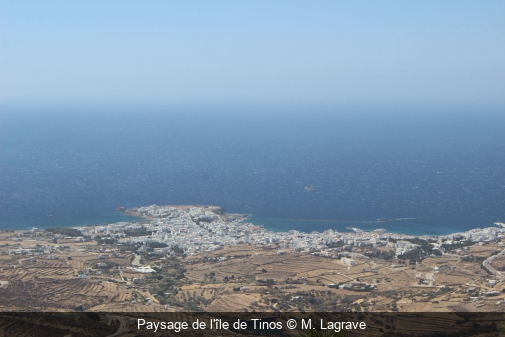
(123, 324)
(487, 263)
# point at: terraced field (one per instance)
(233, 302)
(499, 263)
(273, 266)
(330, 278)
(207, 292)
(60, 293)
(299, 267)
(237, 268)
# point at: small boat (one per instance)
(310, 188)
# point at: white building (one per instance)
(348, 261)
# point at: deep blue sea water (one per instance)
(447, 170)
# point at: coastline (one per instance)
(413, 227)
(401, 226)
(67, 221)
(283, 225)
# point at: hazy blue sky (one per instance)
(262, 52)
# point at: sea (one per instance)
(429, 172)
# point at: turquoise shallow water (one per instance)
(410, 227)
(70, 220)
(80, 166)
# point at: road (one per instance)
(123, 324)
(487, 263)
(121, 274)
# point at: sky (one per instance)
(253, 52)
